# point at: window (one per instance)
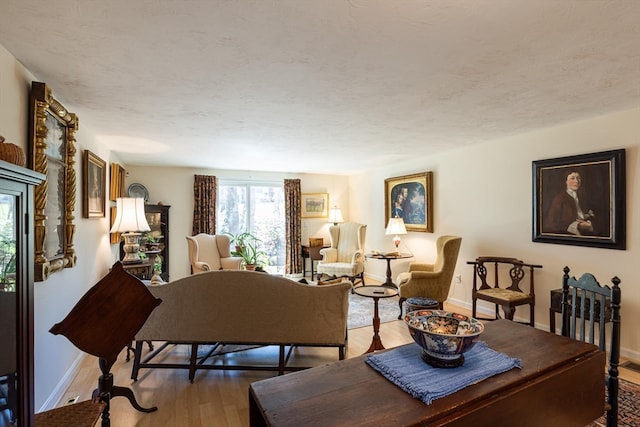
(259, 209)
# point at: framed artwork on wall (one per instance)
(116, 181)
(410, 197)
(94, 184)
(581, 200)
(52, 150)
(315, 205)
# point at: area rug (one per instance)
(628, 406)
(361, 310)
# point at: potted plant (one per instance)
(151, 241)
(238, 240)
(247, 248)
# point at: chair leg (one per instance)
(532, 317)
(509, 312)
(400, 302)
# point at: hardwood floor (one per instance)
(219, 398)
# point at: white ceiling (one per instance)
(325, 86)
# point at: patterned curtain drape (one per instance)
(293, 226)
(204, 204)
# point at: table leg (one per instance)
(389, 281)
(376, 343)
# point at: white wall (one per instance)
(54, 355)
(174, 187)
(484, 194)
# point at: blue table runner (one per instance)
(404, 367)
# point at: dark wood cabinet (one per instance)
(157, 254)
(158, 219)
(16, 293)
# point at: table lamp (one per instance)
(335, 215)
(396, 226)
(130, 220)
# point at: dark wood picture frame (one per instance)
(417, 193)
(94, 185)
(52, 151)
(601, 195)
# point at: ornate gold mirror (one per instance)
(52, 131)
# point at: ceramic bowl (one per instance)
(444, 336)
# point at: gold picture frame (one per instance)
(116, 186)
(94, 184)
(315, 205)
(52, 148)
(416, 206)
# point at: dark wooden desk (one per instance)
(313, 254)
(561, 384)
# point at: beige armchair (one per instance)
(431, 280)
(208, 252)
(345, 257)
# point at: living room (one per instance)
(482, 192)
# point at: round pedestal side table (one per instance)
(375, 292)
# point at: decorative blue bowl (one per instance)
(444, 336)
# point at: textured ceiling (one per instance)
(327, 86)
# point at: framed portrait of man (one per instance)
(580, 200)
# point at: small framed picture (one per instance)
(315, 205)
(581, 200)
(94, 181)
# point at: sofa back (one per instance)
(247, 307)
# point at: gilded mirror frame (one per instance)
(52, 132)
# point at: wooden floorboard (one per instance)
(219, 398)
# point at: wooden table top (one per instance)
(561, 383)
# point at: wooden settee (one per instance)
(243, 307)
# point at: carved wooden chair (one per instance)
(509, 297)
(580, 314)
(102, 323)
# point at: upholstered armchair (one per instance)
(345, 257)
(431, 280)
(209, 252)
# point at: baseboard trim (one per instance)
(58, 393)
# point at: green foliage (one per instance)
(247, 248)
(7, 260)
(150, 237)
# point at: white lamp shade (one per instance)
(129, 216)
(335, 215)
(396, 226)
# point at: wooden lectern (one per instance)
(106, 320)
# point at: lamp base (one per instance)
(131, 248)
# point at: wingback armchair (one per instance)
(209, 252)
(345, 257)
(431, 280)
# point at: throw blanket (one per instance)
(405, 368)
